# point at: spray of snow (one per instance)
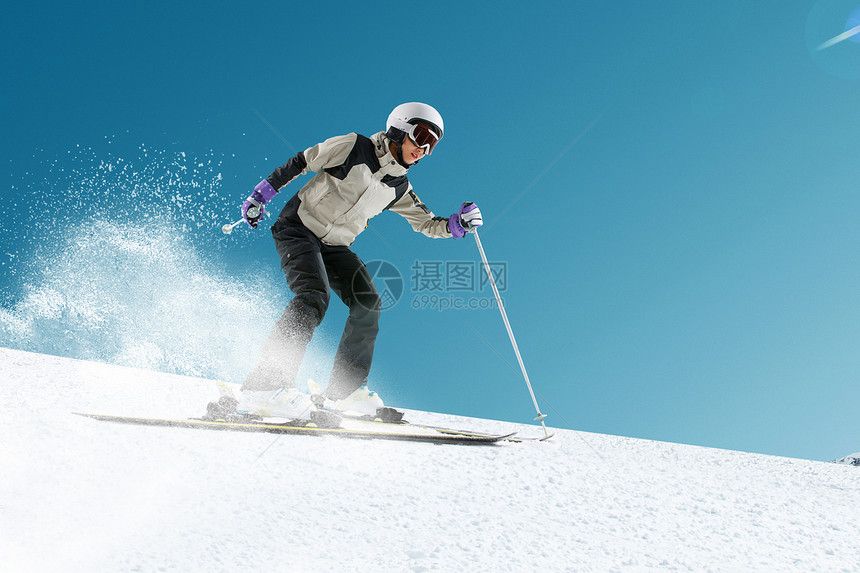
(139, 296)
(120, 259)
(87, 184)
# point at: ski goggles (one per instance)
(423, 136)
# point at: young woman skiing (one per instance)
(356, 178)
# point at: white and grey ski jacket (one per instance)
(356, 178)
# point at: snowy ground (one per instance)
(81, 495)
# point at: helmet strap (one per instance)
(399, 154)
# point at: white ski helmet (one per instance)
(406, 116)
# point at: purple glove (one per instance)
(464, 220)
(253, 208)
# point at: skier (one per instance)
(356, 178)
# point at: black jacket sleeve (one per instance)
(288, 171)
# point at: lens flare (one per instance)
(840, 38)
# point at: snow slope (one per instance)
(81, 495)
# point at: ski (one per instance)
(381, 420)
(224, 409)
(349, 429)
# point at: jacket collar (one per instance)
(387, 161)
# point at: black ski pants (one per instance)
(313, 269)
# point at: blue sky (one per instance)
(671, 186)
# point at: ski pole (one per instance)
(228, 228)
(540, 417)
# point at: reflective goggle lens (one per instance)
(423, 136)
